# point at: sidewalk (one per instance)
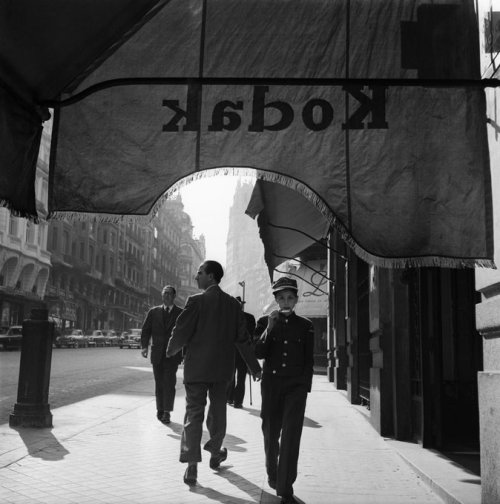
(111, 449)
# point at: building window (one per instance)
(82, 251)
(91, 255)
(30, 232)
(41, 235)
(54, 239)
(65, 242)
(13, 225)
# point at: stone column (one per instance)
(488, 325)
(32, 408)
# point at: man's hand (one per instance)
(144, 352)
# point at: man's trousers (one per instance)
(236, 389)
(196, 400)
(283, 407)
(165, 379)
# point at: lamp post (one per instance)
(242, 283)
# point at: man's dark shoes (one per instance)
(215, 460)
(238, 405)
(272, 483)
(159, 415)
(166, 417)
(190, 475)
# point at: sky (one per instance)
(207, 201)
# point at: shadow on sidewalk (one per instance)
(243, 484)
(255, 493)
(308, 422)
(217, 496)
(230, 441)
(41, 443)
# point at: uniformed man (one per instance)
(286, 343)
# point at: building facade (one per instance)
(246, 273)
(24, 258)
(107, 275)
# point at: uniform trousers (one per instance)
(236, 390)
(283, 407)
(165, 375)
(196, 400)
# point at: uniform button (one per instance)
(284, 353)
(285, 342)
(274, 371)
(284, 365)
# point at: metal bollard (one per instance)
(32, 408)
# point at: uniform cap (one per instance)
(284, 283)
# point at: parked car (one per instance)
(12, 339)
(131, 339)
(97, 338)
(112, 339)
(76, 339)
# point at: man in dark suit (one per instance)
(236, 389)
(210, 327)
(156, 329)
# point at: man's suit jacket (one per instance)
(211, 327)
(158, 330)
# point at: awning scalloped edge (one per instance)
(304, 190)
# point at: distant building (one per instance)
(191, 254)
(245, 255)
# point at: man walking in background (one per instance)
(157, 329)
(210, 327)
(236, 389)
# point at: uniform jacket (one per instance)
(210, 327)
(289, 348)
(158, 331)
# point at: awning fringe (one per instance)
(304, 190)
(33, 217)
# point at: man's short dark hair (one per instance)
(215, 268)
(169, 287)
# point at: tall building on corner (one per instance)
(246, 272)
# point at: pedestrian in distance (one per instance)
(236, 389)
(286, 343)
(210, 327)
(156, 330)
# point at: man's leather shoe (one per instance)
(190, 475)
(238, 406)
(159, 415)
(166, 417)
(272, 483)
(216, 459)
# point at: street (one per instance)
(76, 374)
